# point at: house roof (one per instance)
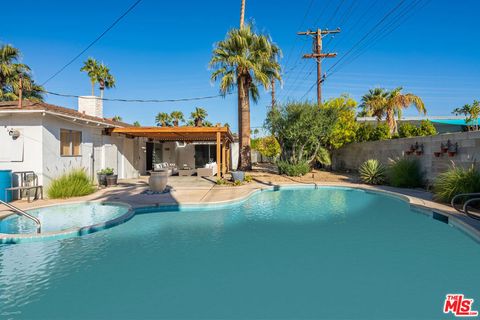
(9, 106)
(178, 133)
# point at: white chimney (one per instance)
(91, 105)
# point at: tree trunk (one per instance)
(93, 88)
(242, 14)
(390, 119)
(245, 161)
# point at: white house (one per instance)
(51, 140)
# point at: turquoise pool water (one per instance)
(291, 254)
(62, 217)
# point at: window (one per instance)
(70, 142)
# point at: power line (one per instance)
(138, 100)
(93, 42)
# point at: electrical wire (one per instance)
(138, 100)
(93, 42)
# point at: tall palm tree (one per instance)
(90, 66)
(104, 78)
(163, 119)
(198, 115)
(177, 116)
(471, 113)
(117, 118)
(374, 102)
(11, 71)
(246, 60)
(242, 14)
(397, 102)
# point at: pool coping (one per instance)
(14, 238)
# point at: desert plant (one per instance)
(293, 169)
(405, 173)
(75, 183)
(455, 181)
(237, 183)
(372, 172)
(220, 181)
(248, 179)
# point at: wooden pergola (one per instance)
(221, 135)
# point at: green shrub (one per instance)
(407, 130)
(381, 132)
(237, 183)
(76, 183)
(267, 146)
(248, 178)
(106, 171)
(293, 170)
(364, 132)
(405, 173)
(426, 128)
(220, 181)
(372, 172)
(455, 181)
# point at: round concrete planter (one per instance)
(158, 180)
(238, 175)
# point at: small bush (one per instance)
(293, 170)
(267, 146)
(381, 132)
(364, 132)
(248, 179)
(220, 181)
(73, 184)
(237, 183)
(456, 181)
(372, 172)
(407, 130)
(405, 173)
(426, 128)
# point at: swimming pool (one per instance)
(60, 221)
(304, 253)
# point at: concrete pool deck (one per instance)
(204, 191)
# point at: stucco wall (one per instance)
(30, 128)
(353, 155)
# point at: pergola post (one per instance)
(228, 158)
(219, 159)
(223, 158)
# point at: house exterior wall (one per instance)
(353, 155)
(41, 148)
(29, 145)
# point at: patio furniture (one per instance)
(170, 167)
(209, 171)
(28, 181)
(186, 172)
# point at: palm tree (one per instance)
(246, 60)
(390, 104)
(396, 102)
(198, 115)
(374, 102)
(207, 124)
(137, 124)
(104, 78)
(163, 119)
(177, 116)
(471, 113)
(11, 71)
(90, 66)
(117, 118)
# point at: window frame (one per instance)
(71, 139)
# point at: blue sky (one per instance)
(162, 48)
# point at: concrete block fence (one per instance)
(353, 155)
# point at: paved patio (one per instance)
(203, 191)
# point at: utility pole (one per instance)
(318, 55)
(20, 91)
(242, 14)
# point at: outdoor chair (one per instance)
(27, 182)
